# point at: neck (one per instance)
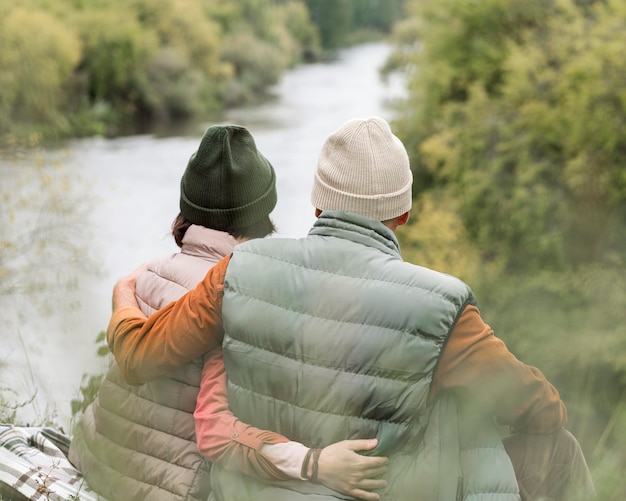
(392, 223)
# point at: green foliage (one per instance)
(339, 20)
(115, 57)
(573, 327)
(256, 65)
(514, 123)
(567, 90)
(436, 238)
(333, 19)
(182, 25)
(173, 88)
(379, 15)
(518, 110)
(184, 75)
(10, 403)
(261, 42)
(90, 384)
(297, 20)
(151, 62)
(447, 48)
(38, 56)
(74, 67)
(82, 67)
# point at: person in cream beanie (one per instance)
(363, 168)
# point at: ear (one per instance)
(317, 212)
(403, 218)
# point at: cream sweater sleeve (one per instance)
(287, 457)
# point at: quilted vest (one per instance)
(334, 337)
(137, 443)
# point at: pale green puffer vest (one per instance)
(334, 337)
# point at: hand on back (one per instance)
(343, 469)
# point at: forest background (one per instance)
(85, 67)
(514, 121)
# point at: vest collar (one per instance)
(358, 229)
(207, 243)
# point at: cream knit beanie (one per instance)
(363, 168)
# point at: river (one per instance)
(128, 188)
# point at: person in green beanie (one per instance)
(156, 441)
(229, 185)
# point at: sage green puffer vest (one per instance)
(334, 337)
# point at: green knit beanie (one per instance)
(228, 183)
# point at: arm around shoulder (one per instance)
(176, 334)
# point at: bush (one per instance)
(572, 326)
(514, 123)
(257, 66)
(38, 55)
(115, 58)
(517, 109)
(296, 18)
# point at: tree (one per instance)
(38, 54)
(79, 67)
(516, 109)
(333, 19)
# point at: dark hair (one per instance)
(260, 229)
(179, 228)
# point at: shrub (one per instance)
(257, 64)
(38, 54)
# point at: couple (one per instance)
(378, 378)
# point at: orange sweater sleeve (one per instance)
(221, 436)
(478, 365)
(146, 348)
